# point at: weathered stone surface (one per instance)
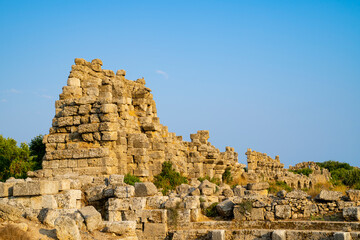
(66, 229)
(281, 194)
(218, 235)
(342, 236)
(34, 188)
(278, 235)
(95, 193)
(353, 195)
(282, 211)
(48, 216)
(154, 231)
(351, 213)
(297, 194)
(92, 218)
(9, 213)
(145, 189)
(116, 179)
(183, 189)
(207, 188)
(124, 191)
(192, 202)
(258, 186)
(126, 228)
(225, 208)
(326, 195)
(6, 189)
(239, 191)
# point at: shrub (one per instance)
(333, 165)
(37, 150)
(352, 177)
(131, 179)
(226, 176)
(303, 171)
(211, 210)
(278, 186)
(14, 161)
(245, 207)
(168, 179)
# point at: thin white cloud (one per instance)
(166, 76)
(46, 96)
(13, 90)
(3, 100)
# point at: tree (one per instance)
(14, 161)
(37, 150)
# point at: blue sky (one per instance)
(280, 77)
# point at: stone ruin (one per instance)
(105, 124)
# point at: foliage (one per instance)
(14, 161)
(313, 192)
(245, 207)
(211, 210)
(278, 186)
(168, 179)
(342, 173)
(131, 179)
(226, 176)
(37, 150)
(213, 179)
(303, 171)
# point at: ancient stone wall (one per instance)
(105, 124)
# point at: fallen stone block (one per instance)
(145, 189)
(6, 189)
(342, 236)
(351, 213)
(239, 191)
(48, 216)
(155, 202)
(225, 208)
(155, 230)
(278, 235)
(258, 186)
(46, 201)
(34, 188)
(297, 194)
(95, 193)
(92, 218)
(192, 202)
(282, 211)
(9, 213)
(326, 195)
(116, 179)
(66, 229)
(353, 195)
(218, 235)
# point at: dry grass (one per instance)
(313, 192)
(341, 188)
(10, 232)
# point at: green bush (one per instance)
(168, 179)
(37, 150)
(352, 177)
(278, 186)
(211, 210)
(245, 207)
(333, 165)
(226, 176)
(14, 161)
(303, 171)
(131, 179)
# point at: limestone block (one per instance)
(116, 204)
(192, 202)
(257, 214)
(64, 184)
(116, 179)
(92, 218)
(48, 216)
(342, 236)
(278, 235)
(218, 235)
(183, 189)
(57, 138)
(297, 194)
(353, 195)
(84, 109)
(326, 195)
(239, 191)
(114, 216)
(155, 202)
(351, 213)
(137, 203)
(145, 189)
(65, 121)
(121, 72)
(6, 189)
(126, 228)
(283, 211)
(73, 82)
(42, 187)
(9, 213)
(109, 136)
(195, 192)
(69, 199)
(66, 228)
(95, 193)
(46, 201)
(89, 127)
(228, 193)
(225, 208)
(258, 186)
(281, 194)
(172, 202)
(154, 230)
(108, 108)
(124, 191)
